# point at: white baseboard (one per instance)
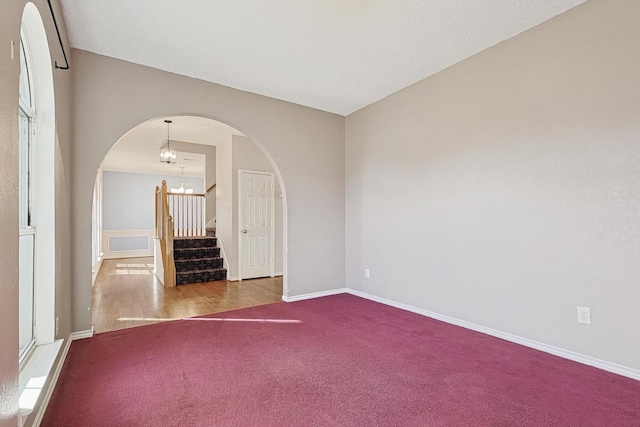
(278, 273)
(556, 351)
(237, 279)
(56, 373)
(313, 295)
(81, 334)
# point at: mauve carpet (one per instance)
(333, 361)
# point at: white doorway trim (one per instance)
(272, 220)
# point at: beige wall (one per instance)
(10, 19)
(504, 191)
(112, 96)
(246, 155)
(239, 152)
(9, 75)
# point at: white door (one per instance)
(256, 224)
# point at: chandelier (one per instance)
(182, 190)
(167, 155)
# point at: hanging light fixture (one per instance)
(182, 190)
(167, 155)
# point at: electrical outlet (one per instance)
(367, 273)
(57, 318)
(584, 315)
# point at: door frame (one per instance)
(271, 176)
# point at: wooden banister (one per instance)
(164, 233)
(177, 215)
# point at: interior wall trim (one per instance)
(556, 351)
(133, 253)
(313, 295)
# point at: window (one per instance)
(36, 148)
(27, 231)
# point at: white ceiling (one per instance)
(337, 56)
(139, 149)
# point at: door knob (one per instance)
(244, 231)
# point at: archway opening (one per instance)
(211, 159)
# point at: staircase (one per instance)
(198, 259)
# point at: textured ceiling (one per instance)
(337, 56)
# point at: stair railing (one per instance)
(164, 233)
(187, 211)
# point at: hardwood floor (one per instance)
(127, 293)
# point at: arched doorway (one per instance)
(122, 220)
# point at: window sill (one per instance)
(34, 375)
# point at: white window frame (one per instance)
(35, 368)
(26, 107)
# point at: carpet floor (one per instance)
(333, 361)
